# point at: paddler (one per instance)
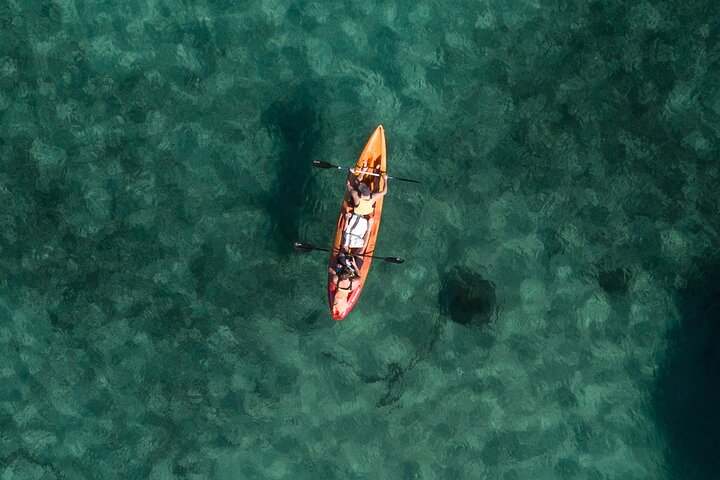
(345, 278)
(358, 223)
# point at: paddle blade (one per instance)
(303, 247)
(321, 164)
(394, 260)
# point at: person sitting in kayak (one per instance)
(348, 262)
(358, 224)
(345, 281)
(363, 198)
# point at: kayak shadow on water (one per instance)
(687, 392)
(295, 121)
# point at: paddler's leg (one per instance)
(366, 239)
(376, 180)
(345, 244)
(361, 176)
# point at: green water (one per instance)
(557, 315)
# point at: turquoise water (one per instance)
(557, 314)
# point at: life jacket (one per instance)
(364, 207)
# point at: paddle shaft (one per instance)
(367, 172)
(389, 177)
(304, 247)
(354, 254)
(321, 164)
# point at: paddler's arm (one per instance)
(333, 274)
(353, 192)
(382, 192)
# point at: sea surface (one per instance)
(558, 312)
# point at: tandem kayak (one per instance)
(374, 155)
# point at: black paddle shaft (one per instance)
(321, 164)
(306, 247)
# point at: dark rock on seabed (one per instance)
(467, 297)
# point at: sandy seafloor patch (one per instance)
(155, 170)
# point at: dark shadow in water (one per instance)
(615, 281)
(295, 120)
(687, 395)
(467, 297)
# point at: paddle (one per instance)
(306, 247)
(321, 164)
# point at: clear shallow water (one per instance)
(556, 317)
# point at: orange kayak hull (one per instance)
(373, 155)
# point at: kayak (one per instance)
(373, 155)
